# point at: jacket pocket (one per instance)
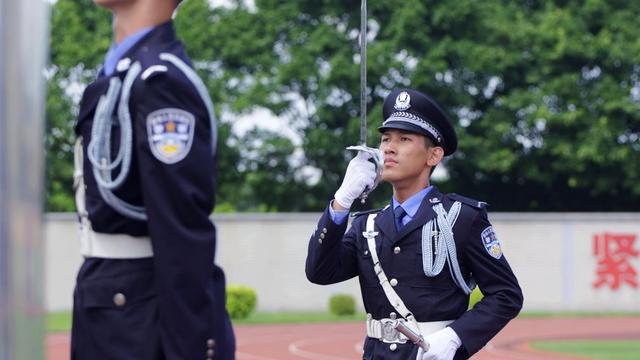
(117, 292)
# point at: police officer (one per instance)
(417, 259)
(145, 187)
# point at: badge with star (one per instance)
(491, 242)
(170, 133)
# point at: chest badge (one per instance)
(491, 242)
(170, 133)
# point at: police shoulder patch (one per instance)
(170, 133)
(491, 242)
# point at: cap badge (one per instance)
(403, 101)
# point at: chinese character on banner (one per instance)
(613, 252)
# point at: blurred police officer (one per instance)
(145, 187)
(419, 258)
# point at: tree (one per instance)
(544, 95)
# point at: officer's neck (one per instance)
(131, 18)
(403, 190)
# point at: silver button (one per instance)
(322, 236)
(393, 316)
(319, 241)
(366, 252)
(396, 250)
(119, 299)
(324, 230)
(393, 282)
(393, 347)
(211, 343)
(210, 353)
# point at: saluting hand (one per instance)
(360, 174)
(443, 345)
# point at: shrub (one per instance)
(241, 301)
(475, 296)
(342, 304)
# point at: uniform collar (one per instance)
(162, 33)
(116, 51)
(386, 220)
(412, 204)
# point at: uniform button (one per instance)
(210, 353)
(211, 343)
(396, 250)
(324, 230)
(366, 252)
(393, 347)
(393, 282)
(322, 236)
(119, 299)
(393, 316)
(320, 241)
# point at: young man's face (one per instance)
(407, 156)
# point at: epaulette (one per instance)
(365, 212)
(468, 201)
(153, 70)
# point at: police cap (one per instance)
(411, 110)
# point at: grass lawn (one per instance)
(61, 321)
(596, 349)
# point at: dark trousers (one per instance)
(108, 326)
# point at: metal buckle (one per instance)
(389, 332)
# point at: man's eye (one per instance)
(384, 140)
(405, 138)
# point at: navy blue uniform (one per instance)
(171, 305)
(334, 256)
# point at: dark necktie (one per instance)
(399, 213)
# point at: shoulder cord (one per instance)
(445, 246)
(99, 148)
(202, 91)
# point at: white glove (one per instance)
(443, 345)
(360, 174)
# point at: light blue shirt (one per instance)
(118, 50)
(410, 206)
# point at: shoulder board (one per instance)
(468, 201)
(365, 212)
(153, 70)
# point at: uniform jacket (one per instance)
(187, 288)
(334, 256)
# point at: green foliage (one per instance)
(544, 96)
(241, 301)
(592, 348)
(342, 305)
(476, 295)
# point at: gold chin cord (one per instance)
(376, 155)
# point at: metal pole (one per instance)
(363, 73)
(24, 26)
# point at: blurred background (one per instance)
(544, 96)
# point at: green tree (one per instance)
(545, 96)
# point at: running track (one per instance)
(343, 341)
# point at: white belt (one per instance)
(113, 246)
(384, 331)
(97, 245)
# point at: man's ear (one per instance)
(435, 155)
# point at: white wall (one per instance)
(552, 255)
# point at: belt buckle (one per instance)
(390, 334)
